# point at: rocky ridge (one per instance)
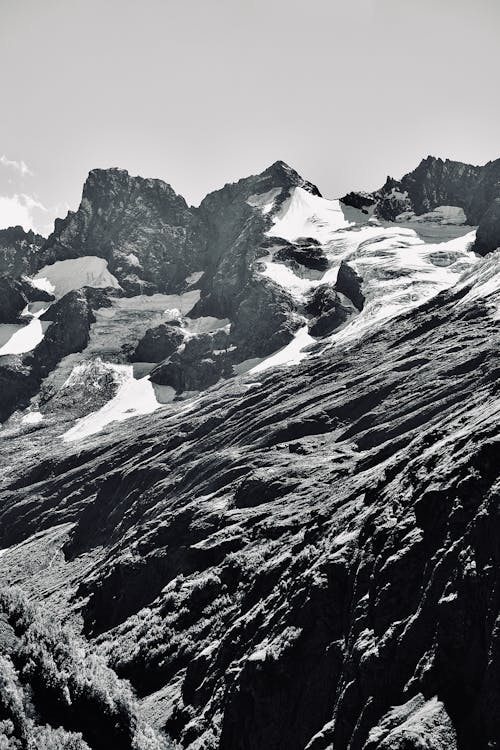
(441, 183)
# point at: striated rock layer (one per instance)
(307, 558)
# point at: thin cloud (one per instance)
(18, 166)
(23, 210)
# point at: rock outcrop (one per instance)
(20, 252)
(196, 365)
(69, 332)
(146, 232)
(21, 375)
(437, 182)
(12, 299)
(18, 383)
(328, 311)
(158, 343)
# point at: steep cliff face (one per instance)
(235, 232)
(141, 226)
(307, 558)
(441, 183)
(20, 251)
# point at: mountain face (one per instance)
(19, 251)
(251, 465)
(437, 183)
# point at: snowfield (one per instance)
(291, 354)
(399, 270)
(20, 339)
(65, 275)
(441, 215)
(134, 397)
(306, 215)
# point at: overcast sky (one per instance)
(202, 92)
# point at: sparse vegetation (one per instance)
(58, 695)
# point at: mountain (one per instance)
(436, 184)
(253, 470)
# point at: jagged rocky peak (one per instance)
(20, 251)
(444, 190)
(146, 232)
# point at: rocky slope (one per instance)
(301, 556)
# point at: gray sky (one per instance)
(202, 92)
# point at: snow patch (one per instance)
(23, 338)
(291, 354)
(194, 278)
(65, 275)
(133, 398)
(264, 201)
(133, 259)
(306, 215)
(33, 417)
(282, 275)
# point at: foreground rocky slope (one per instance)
(306, 558)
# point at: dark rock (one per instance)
(488, 232)
(358, 200)
(193, 367)
(17, 385)
(327, 310)
(20, 252)
(69, 332)
(12, 299)
(158, 343)
(263, 321)
(98, 298)
(349, 282)
(144, 216)
(307, 255)
(33, 293)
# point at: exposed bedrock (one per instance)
(69, 332)
(20, 252)
(197, 364)
(307, 253)
(263, 321)
(437, 182)
(328, 310)
(488, 232)
(349, 282)
(307, 561)
(158, 343)
(12, 299)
